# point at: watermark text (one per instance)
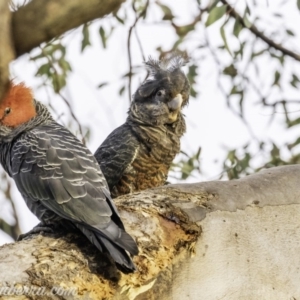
(37, 290)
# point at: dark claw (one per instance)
(39, 228)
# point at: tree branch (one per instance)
(41, 21)
(6, 49)
(232, 12)
(246, 224)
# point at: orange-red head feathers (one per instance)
(18, 106)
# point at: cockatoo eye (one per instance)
(160, 93)
(7, 110)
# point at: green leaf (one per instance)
(247, 10)
(50, 49)
(213, 4)
(298, 4)
(191, 75)
(43, 70)
(254, 54)
(128, 74)
(280, 58)
(235, 91)
(237, 28)
(295, 80)
(58, 81)
(247, 23)
(103, 36)
(64, 65)
(275, 152)
(215, 14)
(119, 19)
(231, 155)
(230, 71)
(41, 55)
(292, 145)
(240, 51)
(168, 15)
(290, 32)
(197, 154)
(222, 31)
(121, 91)
(85, 37)
(188, 164)
(102, 85)
(182, 31)
(241, 102)
(293, 122)
(277, 76)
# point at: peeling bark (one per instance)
(41, 21)
(178, 260)
(6, 48)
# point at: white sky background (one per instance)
(210, 124)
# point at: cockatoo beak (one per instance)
(174, 107)
(175, 103)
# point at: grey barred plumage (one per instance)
(61, 182)
(7, 134)
(138, 154)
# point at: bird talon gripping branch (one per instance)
(138, 154)
(39, 228)
(58, 177)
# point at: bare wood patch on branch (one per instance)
(166, 223)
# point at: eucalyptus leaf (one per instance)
(215, 14)
(85, 37)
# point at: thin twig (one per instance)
(218, 63)
(73, 116)
(64, 99)
(12, 230)
(137, 18)
(140, 44)
(281, 102)
(16, 231)
(142, 52)
(232, 12)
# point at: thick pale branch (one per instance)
(232, 12)
(178, 260)
(41, 21)
(6, 49)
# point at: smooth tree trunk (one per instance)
(235, 239)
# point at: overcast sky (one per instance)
(210, 124)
